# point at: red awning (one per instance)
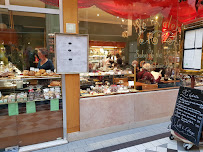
(183, 11)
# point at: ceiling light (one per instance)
(157, 17)
(117, 17)
(123, 20)
(97, 14)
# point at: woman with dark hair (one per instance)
(44, 62)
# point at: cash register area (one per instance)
(152, 138)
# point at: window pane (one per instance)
(33, 3)
(21, 33)
(127, 32)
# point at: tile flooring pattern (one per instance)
(153, 138)
(160, 145)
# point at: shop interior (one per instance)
(149, 40)
(116, 44)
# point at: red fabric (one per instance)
(145, 75)
(51, 2)
(183, 11)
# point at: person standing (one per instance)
(44, 62)
(119, 60)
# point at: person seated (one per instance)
(145, 75)
(135, 63)
(141, 64)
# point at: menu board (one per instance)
(192, 59)
(192, 52)
(188, 114)
(71, 53)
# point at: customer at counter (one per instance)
(44, 62)
(145, 75)
(119, 60)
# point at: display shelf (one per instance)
(97, 56)
(28, 101)
(113, 93)
(8, 79)
(106, 75)
(31, 78)
(40, 78)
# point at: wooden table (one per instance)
(169, 81)
(139, 84)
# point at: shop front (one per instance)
(133, 77)
(114, 95)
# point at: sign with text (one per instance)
(71, 53)
(188, 114)
(192, 50)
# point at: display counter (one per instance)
(121, 82)
(30, 108)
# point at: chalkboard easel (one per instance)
(187, 118)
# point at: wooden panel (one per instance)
(72, 102)
(9, 36)
(149, 86)
(70, 15)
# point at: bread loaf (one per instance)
(26, 73)
(32, 73)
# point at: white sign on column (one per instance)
(71, 53)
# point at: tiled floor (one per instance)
(152, 138)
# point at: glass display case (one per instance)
(106, 83)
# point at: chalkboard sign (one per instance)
(188, 114)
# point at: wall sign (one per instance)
(188, 114)
(71, 53)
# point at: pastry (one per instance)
(32, 73)
(50, 74)
(44, 74)
(42, 71)
(5, 74)
(55, 83)
(37, 74)
(10, 74)
(26, 73)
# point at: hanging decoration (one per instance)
(134, 9)
(125, 34)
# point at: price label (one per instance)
(32, 69)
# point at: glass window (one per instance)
(35, 3)
(125, 34)
(30, 31)
(21, 35)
